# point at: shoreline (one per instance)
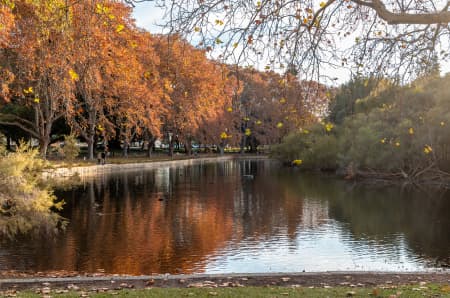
(299, 279)
(90, 171)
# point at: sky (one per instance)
(150, 18)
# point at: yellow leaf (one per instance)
(36, 100)
(218, 41)
(119, 28)
(229, 109)
(73, 75)
(279, 125)
(442, 123)
(223, 135)
(235, 45)
(397, 144)
(282, 100)
(197, 29)
(258, 122)
(322, 4)
(29, 90)
(427, 149)
(219, 22)
(248, 132)
(297, 162)
(411, 131)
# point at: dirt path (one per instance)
(348, 279)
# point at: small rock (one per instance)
(45, 290)
(285, 279)
(244, 278)
(182, 281)
(46, 284)
(195, 285)
(351, 294)
(150, 282)
(212, 293)
(422, 283)
(73, 287)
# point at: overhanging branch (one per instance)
(441, 17)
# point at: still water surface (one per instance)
(216, 218)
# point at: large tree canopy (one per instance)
(402, 38)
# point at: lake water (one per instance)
(239, 216)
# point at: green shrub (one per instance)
(392, 129)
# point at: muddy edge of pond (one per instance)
(113, 282)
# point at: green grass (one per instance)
(394, 292)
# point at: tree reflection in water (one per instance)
(191, 219)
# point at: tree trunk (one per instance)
(151, 143)
(126, 145)
(171, 144)
(188, 147)
(221, 149)
(8, 142)
(43, 146)
(90, 142)
(243, 144)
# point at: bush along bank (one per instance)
(378, 129)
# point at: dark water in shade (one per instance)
(210, 218)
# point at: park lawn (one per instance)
(410, 291)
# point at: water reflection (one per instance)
(239, 216)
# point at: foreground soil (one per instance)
(428, 284)
(424, 290)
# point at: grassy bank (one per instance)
(411, 291)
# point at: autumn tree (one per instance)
(272, 105)
(149, 106)
(109, 78)
(37, 62)
(371, 37)
(6, 21)
(195, 86)
(223, 129)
